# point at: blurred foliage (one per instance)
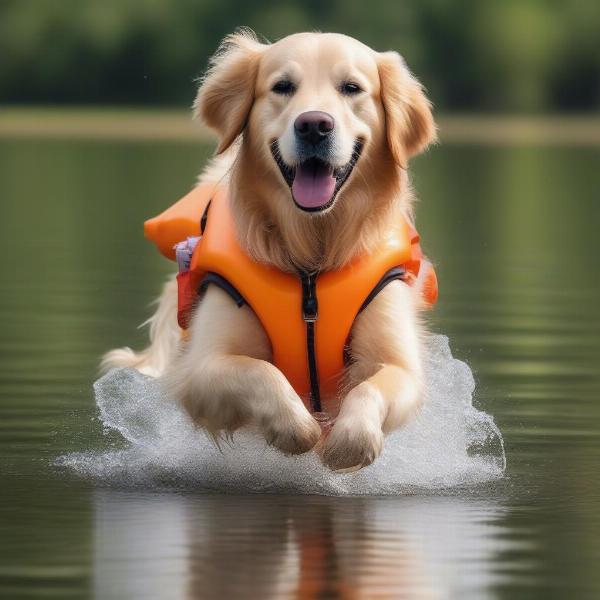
(511, 55)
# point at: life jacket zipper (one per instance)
(310, 310)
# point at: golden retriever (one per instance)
(264, 101)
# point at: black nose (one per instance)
(313, 126)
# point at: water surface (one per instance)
(514, 233)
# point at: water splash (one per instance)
(450, 443)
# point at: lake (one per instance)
(514, 233)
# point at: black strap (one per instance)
(224, 285)
(315, 391)
(310, 311)
(204, 218)
(392, 275)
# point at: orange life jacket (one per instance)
(307, 317)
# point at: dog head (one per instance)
(320, 114)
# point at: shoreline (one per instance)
(143, 124)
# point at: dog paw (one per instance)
(293, 432)
(352, 445)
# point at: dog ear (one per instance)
(226, 93)
(410, 127)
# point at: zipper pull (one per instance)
(310, 306)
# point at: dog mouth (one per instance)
(314, 182)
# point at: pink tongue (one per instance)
(313, 185)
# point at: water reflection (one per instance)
(210, 546)
(515, 234)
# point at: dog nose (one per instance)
(313, 126)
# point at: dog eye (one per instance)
(349, 88)
(284, 87)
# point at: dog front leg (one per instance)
(373, 408)
(231, 391)
(385, 378)
(224, 379)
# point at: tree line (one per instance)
(472, 55)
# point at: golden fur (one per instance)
(223, 375)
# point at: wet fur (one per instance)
(223, 375)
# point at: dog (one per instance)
(315, 132)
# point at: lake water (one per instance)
(514, 232)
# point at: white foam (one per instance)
(450, 443)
